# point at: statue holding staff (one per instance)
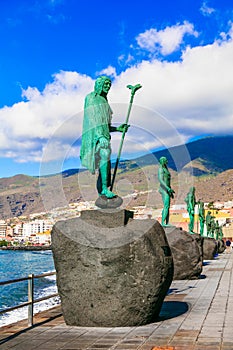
(95, 151)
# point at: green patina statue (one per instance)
(165, 189)
(212, 226)
(96, 149)
(217, 230)
(208, 223)
(201, 214)
(220, 236)
(191, 202)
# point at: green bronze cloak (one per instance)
(96, 122)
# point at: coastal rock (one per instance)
(111, 270)
(187, 253)
(210, 248)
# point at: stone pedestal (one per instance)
(111, 270)
(186, 251)
(210, 248)
(221, 246)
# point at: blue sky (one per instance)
(53, 50)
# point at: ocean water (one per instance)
(17, 264)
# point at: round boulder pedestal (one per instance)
(210, 248)
(112, 271)
(187, 253)
(221, 246)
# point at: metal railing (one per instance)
(31, 301)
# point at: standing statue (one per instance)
(191, 202)
(201, 214)
(165, 189)
(208, 223)
(217, 230)
(220, 233)
(212, 226)
(96, 149)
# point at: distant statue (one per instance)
(96, 149)
(212, 226)
(201, 215)
(208, 223)
(220, 233)
(217, 230)
(165, 189)
(191, 202)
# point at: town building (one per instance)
(3, 229)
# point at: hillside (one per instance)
(206, 164)
(214, 153)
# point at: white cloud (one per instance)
(206, 10)
(124, 60)
(167, 40)
(178, 100)
(26, 126)
(109, 71)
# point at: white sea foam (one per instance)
(22, 313)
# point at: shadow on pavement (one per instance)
(171, 309)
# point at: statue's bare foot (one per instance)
(107, 193)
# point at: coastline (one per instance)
(29, 248)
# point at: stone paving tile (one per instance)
(227, 346)
(207, 347)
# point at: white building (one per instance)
(3, 228)
(36, 226)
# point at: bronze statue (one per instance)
(201, 214)
(220, 233)
(165, 189)
(96, 148)
(191, 202)
(212, 226)
(208, 223)
(217, 230)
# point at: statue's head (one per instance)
(192, 189)
(163, 160)
(102, 84)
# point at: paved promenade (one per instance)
(196, 314)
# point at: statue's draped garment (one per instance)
(96, 123)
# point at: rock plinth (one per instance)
(187, 253)
(111, 270)
(210, 248)
(221, 246)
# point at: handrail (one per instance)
(31, 301)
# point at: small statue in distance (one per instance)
(217, 230)
(208, 223)
(212, 226)
(191, 202)
(165, 189)
(201, 214)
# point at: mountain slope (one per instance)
(214, 152)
